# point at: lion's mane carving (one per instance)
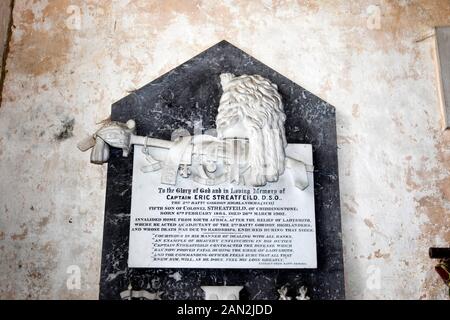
(253, 102)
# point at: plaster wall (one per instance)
(372, 59)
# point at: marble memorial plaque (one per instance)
(181, 98)
(191, 225)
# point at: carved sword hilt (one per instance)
(118, 135)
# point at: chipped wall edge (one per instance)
(5, 36)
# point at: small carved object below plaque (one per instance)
(222, 292)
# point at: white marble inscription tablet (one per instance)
(225, 226)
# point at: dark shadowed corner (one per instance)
(4, 46)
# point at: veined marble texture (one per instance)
(69, 60)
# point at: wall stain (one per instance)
(43, 222)
(22, 235)
(379, 255)
(65, 131)
(369, 223)
(355, 110)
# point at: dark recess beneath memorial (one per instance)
(187, 95)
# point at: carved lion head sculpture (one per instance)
(252, 108)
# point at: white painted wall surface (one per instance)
(70, 59)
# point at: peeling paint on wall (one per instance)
(70, 59)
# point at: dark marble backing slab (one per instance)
(188, 94)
